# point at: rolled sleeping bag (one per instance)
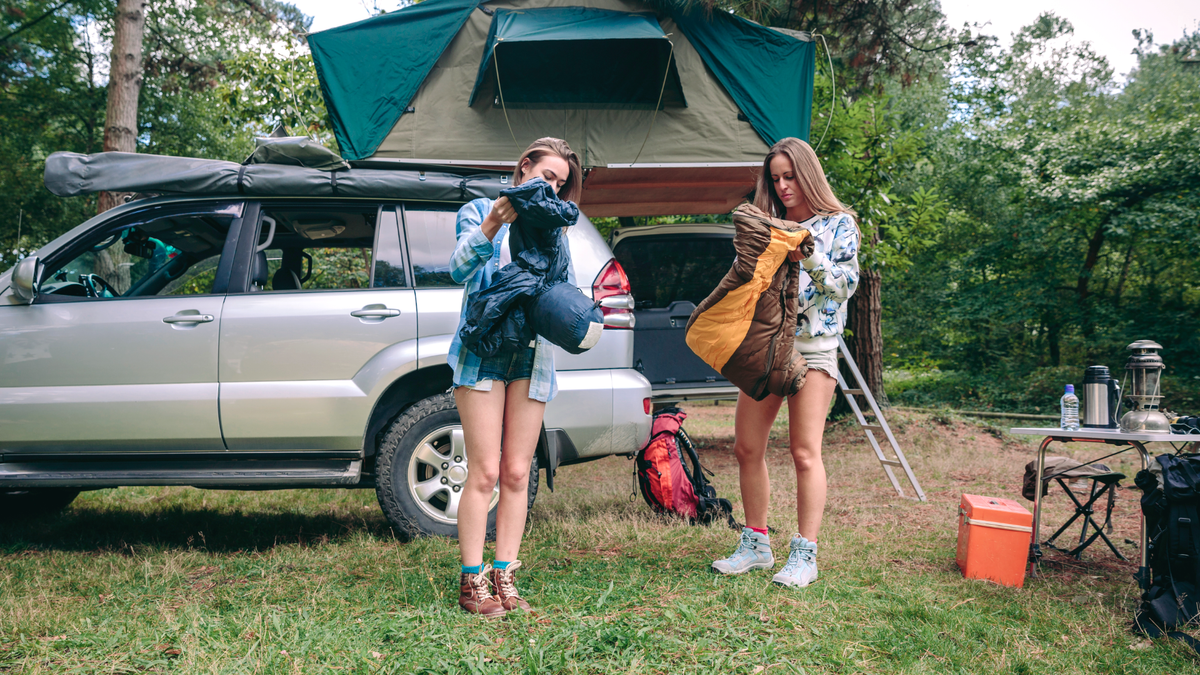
(566, 317)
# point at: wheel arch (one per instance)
(400, 395)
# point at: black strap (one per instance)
(241, 176)
(1146, 626)
(333, 182)
(1193, 531)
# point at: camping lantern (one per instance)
(1144, 369)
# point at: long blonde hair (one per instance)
(808, 173)
(572, 188)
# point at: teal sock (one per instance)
(502, 564)
(472, 569)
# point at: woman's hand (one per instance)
(502, 212)
(804, 250)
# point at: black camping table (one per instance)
(1125, 442)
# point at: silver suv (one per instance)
(274, 343)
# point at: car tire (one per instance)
(418, 467)
(25, 504)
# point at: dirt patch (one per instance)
(950, 457)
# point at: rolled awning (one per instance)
(578, 57)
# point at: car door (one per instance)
(320, 316)
(119, 350)
(670, 274)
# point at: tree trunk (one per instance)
(864, 319)
(120, 120)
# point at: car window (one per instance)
(667, 268)
(331, 249)
(168, 255)
(431, 241)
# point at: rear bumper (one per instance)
(722, 391)
(602, 412)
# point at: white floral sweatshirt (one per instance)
(828, 278)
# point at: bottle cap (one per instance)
(1070, 389)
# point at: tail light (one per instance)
(611, 290)
(646, 405)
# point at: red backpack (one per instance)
(671, 485)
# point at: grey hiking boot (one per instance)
(801, 567)
(753, 553)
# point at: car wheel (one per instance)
(23, 504)
(421, 470)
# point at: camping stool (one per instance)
(1102, 484)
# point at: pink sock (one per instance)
(760, 530)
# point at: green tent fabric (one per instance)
(590, 58)
(750, 62)
(370, 70)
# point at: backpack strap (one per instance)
(1145, 625)
(696, 471)
(1192, 531)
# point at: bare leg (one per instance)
(522, 426)
(751, 429)
(807, 410)
(482, 414)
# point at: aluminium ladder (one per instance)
(879, 425)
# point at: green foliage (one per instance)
(265, 89)
(1004, 389)
(340, 268)
(53, 94)
(1074, 211)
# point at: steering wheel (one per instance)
(95, 285)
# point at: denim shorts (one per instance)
(826, 361)
(506, 367)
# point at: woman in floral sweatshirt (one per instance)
(792, 186)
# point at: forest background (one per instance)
(1025, 213)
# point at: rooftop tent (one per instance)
(419, 86)
(586, 58)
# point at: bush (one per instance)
(1034, 392)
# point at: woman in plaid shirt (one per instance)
(501, 399)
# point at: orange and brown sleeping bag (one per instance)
(745, 329)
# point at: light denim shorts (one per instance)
(506, 368)
(826, 361)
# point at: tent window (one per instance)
(578, 57)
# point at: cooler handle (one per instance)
(988, 523)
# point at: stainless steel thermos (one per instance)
(1101, 398)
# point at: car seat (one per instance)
(287, 277)
(259, 272)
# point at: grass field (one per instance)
(150, 580)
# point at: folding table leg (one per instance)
(1143, 573)
(1035, 546)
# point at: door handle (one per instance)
(375, 312)
(184, 317)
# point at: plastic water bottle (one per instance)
(1070, 410)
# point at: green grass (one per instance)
(180, 580)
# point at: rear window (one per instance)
(669, 268)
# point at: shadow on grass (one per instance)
(83, 528)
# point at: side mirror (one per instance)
(25, 279)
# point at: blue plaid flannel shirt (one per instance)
(475, 261)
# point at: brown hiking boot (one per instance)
(475, 596)
(506, 589)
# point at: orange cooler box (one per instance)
(993, 539)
